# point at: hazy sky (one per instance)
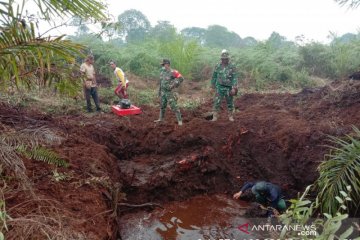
(257, 18)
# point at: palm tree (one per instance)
(22, 53)
(341, 169)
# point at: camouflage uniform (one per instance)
(224, 79)
(169, 79)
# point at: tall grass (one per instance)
(182, 53)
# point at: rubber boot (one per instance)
(231, 116)
(215, 117)
(161, 116)
(178, 117)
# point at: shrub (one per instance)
(340, 169)
(143, 97)
(302, 210)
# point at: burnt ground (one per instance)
(133, 160)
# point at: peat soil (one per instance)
(132, 160)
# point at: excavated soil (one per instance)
(276, 137)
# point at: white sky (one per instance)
(257, 18)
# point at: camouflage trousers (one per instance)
(221, 93)
(168, 97)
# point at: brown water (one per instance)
(198, 218)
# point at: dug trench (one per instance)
(119, 163)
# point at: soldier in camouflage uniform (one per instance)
(224, 81)
(169, 79)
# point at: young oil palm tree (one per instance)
(340, 169)
(22, 53)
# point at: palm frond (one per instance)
(340, 169)
(28, 142)
(11, 161)
(23, 55)
(33, 137)
(40, 153)
(3, 5)
(82, 8)
(350, 3)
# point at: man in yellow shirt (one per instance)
(90, 87)
(120, 90)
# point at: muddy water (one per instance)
(198, 218)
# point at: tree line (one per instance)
(29, 58)
(138, 47)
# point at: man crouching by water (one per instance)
(266, 193)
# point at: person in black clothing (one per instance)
(265, 193)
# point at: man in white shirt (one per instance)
(90, 87)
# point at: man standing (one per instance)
(169, 80)
(224, 81)
(90, 87)
(121, 89)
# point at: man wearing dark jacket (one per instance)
(265, 193)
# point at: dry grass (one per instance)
(45, 221)
(11, 160)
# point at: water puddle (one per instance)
(199, 218)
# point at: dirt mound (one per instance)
(276, 137)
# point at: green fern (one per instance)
(42, 154)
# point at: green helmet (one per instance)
(225, 54)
